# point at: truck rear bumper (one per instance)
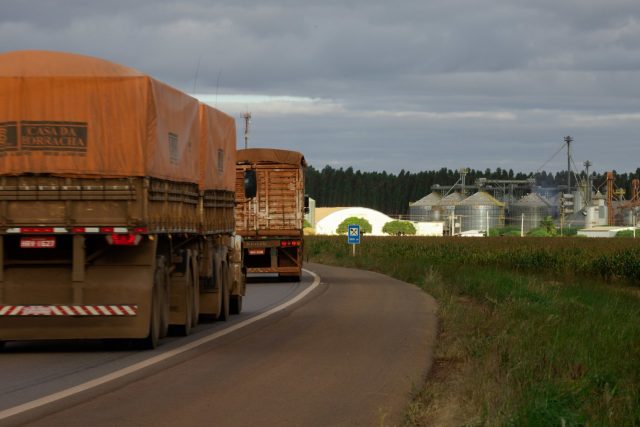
(280, 270)
(40, 303)
(21, 328)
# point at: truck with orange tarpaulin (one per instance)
(116, 203)
(270, 221)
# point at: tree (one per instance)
(399, 228)
(365, 226)
(547, 228)
(548, 225)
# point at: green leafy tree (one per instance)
(399, 228)
(548, 226)
(365, 226)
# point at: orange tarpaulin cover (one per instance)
(271, 155)
(74, 115)
(217, 149)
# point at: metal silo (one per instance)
(445, 207)
(422, 210)
(479, 212)
(534, 207)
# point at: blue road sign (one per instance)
(353, 234)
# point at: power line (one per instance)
(551, 158)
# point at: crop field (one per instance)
(533, 331)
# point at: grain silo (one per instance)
(529, 211)
(422, 210)
(442, 210)
(480, 211)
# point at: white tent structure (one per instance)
(330, 223)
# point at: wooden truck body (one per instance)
(271, 223)
(116, 203)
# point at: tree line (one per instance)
(391, 194)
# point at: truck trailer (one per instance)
(116, 203)
(270, 221)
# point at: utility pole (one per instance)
(568, 140)
(587, 165)
(247, 118)
(463, 174)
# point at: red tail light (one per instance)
(27, 230)
(124, 239)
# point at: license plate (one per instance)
(256, 251)
(38, 242)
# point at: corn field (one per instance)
(610, 259)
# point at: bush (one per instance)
(539, 232)
(504, 231)
(399, 228)
(626, 233)
(365, 226)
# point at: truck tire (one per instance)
(182, 285)
(195, 280)
(153, 339)
(225, 286)
(185, 329)
(162, 281)
(235, 304)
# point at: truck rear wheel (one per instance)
(225, 286)
(188, 285)
(162, 282)
(195, 280)
(185, 329)
(235, 304)
(153, 339)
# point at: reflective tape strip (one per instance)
(129, 310)
(120, 310)
(123, 230)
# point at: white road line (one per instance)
(153, 360)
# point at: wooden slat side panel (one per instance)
(279, 203)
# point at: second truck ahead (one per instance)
(116, 203)
(271, 220)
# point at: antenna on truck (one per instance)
(247, 118)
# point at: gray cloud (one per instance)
(411, 85)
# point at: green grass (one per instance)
(554, 347)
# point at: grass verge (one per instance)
(515, 348)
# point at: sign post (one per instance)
(353, 236)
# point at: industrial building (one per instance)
(486, 204)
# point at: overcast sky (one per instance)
(380, 85)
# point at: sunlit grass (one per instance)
(532, 338)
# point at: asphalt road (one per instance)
(349, 353)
